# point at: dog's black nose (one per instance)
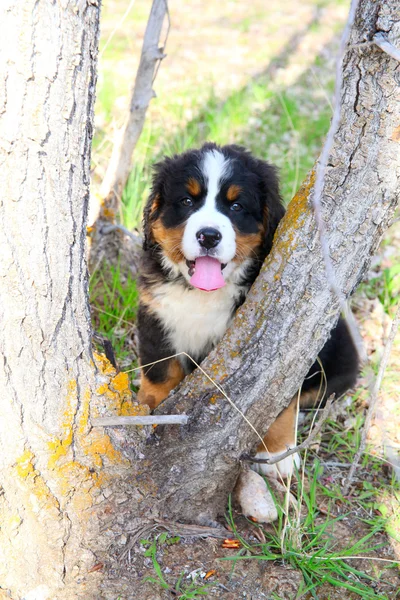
(208, 237)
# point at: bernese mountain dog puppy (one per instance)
(208, 225)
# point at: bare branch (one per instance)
(374, 398)
(187, 530)
(319, 186)
(117, 227)
(148, 420)
(126, 138)
(383, 43)
(306, 444)
(181, 529)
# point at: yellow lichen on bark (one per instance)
(24, 464)
(78, 457)
(286, 240)
(286, 235)
(117, 392)
(59, 447)
(39, 495)
(103, 364)
(82, 438)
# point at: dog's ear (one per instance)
(149, 216)
(155, 201)
(273, 209)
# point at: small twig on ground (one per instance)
(181, 529)
(373, 399)
(186, 530)
(306, 444)
(144, 420)
(333, 463)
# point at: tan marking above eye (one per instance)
(233, 192)
(193, 186)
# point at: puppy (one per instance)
(208, 225)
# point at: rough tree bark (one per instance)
(53, 467)
(68, 487)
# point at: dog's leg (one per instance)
(281, 434)
(280, 437)
(160, 374)
(334, 373)
(153, 392)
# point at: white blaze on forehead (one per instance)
(215, 169)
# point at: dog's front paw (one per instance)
(255, 498)
(284, 468)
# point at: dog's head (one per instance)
(211, 213)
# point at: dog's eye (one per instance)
(187, 202)
(236, 206)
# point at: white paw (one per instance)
(255, 498)
(284, 468)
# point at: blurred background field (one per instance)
(260, 74)
(235, 72)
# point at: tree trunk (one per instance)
(66, 486)
(54, 468)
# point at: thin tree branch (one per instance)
(126, 138)
(320, 181)
(374, 398)
(117, 227)
(383, 43)
(306, 444)
(147, 420)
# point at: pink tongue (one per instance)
(207, 275)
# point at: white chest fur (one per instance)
(195, 320)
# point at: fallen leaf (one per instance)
(97, 567)
(210, 573)
(233, 544)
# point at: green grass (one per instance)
(305, 540)
(181, 589)
(114, 306)
(385, 287)
(308, 538)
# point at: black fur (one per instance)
(154, 345)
